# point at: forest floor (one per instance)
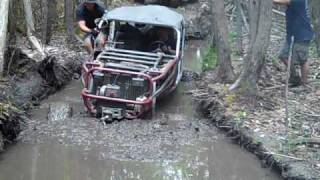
(260, 125)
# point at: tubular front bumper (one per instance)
(147, 103)
(89, 68)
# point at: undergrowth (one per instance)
(210, 59)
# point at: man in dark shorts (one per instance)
(298, 25)
(87, 12)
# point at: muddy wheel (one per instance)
(151, 112)
(99, 112)
(147, 115)
(108, 120)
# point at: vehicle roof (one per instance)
(148, 14)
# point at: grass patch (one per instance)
(210, 59)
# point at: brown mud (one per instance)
(175, 144)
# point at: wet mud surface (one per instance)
(175, 144)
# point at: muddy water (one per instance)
(175, 145)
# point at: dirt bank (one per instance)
(28, 81)
(260, 127)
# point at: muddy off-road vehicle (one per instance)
(137, 60)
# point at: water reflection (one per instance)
(54, 162)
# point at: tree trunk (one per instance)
(220, 28)
(315, 11)
(45, 19)
(49, 12)
(239, 27)
(69, 20)
(30, 27)
(13, 8)
(260, 13)
(4, 11)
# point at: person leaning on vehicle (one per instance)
(86, 13)
(298, 25)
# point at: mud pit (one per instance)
(176, 144)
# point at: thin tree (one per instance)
(49, 12)
(260, 15)
(225, 72)
(239, 27)
(315, 11)
(30, 28)
(4, 11)
(69, 19)
(45, 19)
(14, 10)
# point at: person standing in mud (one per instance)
(86, 13)
(298, 25)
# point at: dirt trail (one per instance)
(176, 144)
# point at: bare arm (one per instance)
(83, 27)
(282, 2)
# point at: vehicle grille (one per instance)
(131, 87)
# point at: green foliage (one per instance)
(210, 59)
(230, 98)
(291, 143)
(288, 145)
(232, 36)
(239, 118)
(256, 141)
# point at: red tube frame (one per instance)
(96, 66)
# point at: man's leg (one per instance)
(88, 44)
(302, 50)
(294, 78)
(304, 73)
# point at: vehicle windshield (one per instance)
(144, 37)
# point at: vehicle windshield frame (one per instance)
(112, 30)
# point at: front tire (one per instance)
(99, 112)
(147, 115)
